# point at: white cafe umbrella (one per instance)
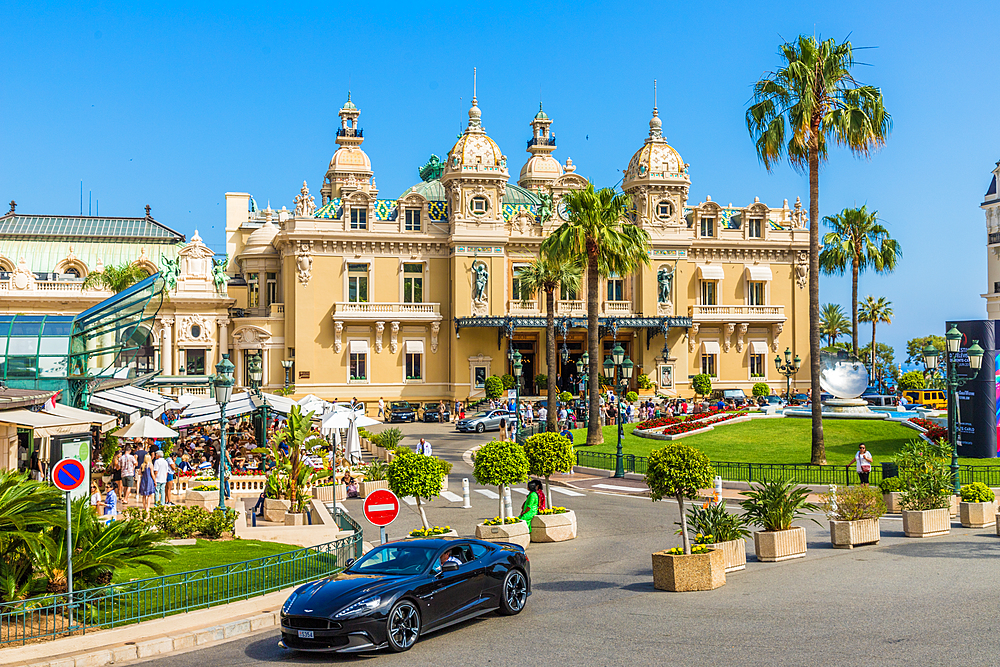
(146, 427)
(344, 419)
(353, 448)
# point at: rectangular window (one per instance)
(359, 366)
(755, 293)
(755, 229)
(413, 364)
(708, 365)
(359, 218)
(195, 362)
(272, 287)
(757, 367)
(413, 283)
(708, 226)
(412, 220)
(567, 294)
(708, 293)
(253, 290)
(616, 289)
(357, 283)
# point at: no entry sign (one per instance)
(381, 507)
(68, 474)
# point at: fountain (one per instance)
(846, 378)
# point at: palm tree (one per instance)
(115, 278)
(859, 240)
(816, 96)
(546, 274)
(833, 323)
(599, 233)
(875, 311)
(27, 510)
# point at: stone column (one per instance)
(223, 336)
(166, 347)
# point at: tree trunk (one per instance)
(873, 347)
(501, 515)
(685, 538)
(854, 304)
(423, 517)
(550, 359)
(594, 434)
(818, 449)
(548, 495)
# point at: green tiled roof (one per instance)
(87, 227)
(515, 194)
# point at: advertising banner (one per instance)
(977, 400)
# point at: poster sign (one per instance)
(977, 399)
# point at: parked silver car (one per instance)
(488, 420)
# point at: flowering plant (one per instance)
(696, 549)
(657, 422)
(554, 510)
(684, 427)
(923, 424)
(495, 521)
(429, 532)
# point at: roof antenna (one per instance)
(654, 97)
(473, 86)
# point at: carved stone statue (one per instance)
(303, 262)
(545, 209)
(219, 276)
(665, 282)
(432, 169)
(171, 269)
(802, 270)
(305, 203)
(481, 278)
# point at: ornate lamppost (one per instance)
(287, 365)
(618, 368)
(518, 369)
(954, 381)
(222, 385)
(582, 365)
(788, 369)
(256, 374)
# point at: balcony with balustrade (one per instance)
(616, 308)
(571, 308)
(709, 314)
(368, 311)
(517, 307)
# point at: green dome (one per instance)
(541, 114)
(349, 104)
(431, 190)
(515, 194)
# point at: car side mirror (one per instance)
(449, 567)
(350, 562)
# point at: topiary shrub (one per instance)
(548, 453)
(541, 380)
(631, 397)
(412, 474)
(977, 492)
(508, 381)
(494, 387)
(643, 381)
(702, 384)
(890, 485)
(501, 464)
(761, 389)
(565, 397)
(678, 471)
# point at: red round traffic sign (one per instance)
(381, 507)
(68, 474)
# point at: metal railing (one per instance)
(121, 604)
(994, 238)
(542, 141)
(350, 132)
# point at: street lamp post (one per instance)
(222, 384)
(287, 365)
(618, 368)
(518, 369)
(256, 375)
(954, 381)
(788, 369)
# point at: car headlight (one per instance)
(361, 608)
(288, 603)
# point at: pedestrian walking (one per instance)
(128, 464)
(147, 485)
(381, 408)
(424, 447)
(503, 430)
(161, 469)
(533, 503)
(863, 463)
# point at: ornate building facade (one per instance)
(418, 297)
(991, 206)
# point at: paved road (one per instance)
(921, 602)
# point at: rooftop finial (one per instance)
(13, 205)
(655, 124)
(473, 86)
(475, 114)
(149, 216)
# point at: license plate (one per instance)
(306, 634)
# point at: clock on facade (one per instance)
(562, 211)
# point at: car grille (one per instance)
(309, 623)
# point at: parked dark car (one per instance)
(401, 411)
(432, 412)
(400, 591)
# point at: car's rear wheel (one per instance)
(403, 626)
(514, 593)
(480, 428)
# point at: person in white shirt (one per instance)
(381, 408)
(160, 471)
(863, 459)
(542, 413)
(424, 447)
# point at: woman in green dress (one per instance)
(533, 503)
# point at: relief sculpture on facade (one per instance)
(480, 285)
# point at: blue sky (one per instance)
(174, 104)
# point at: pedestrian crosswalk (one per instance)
(492, 495)
(451, 497)
(567, 492)
(410, 500)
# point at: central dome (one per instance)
(476, 151)
(656, 159)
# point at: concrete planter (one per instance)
(325, 493)
(295, 519)
(849, 534)
(367, 488)
(978, 515)
(207, 500)
(553, 527)
(679, 436)
(275, 510)
(773, 546)
(340, 492)
(694, 572)
(953, 507)
(516, 533)
(926, 523)
(735, 552)
(892, 502)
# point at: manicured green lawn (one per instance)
(208, 553)
(776, 441)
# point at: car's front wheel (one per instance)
(403, 626)
(514, 593)
(480, 427)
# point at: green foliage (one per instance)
(702, 384)
(548, 453)
(412, 474)
(294, 475)
(716, 521)
(603, 381)
(915, 348)
(761, 389)
(891, 485)
(446, 466)
(108, 449)
(776, 505)
(285, 391)
(501, 464)
(833, 323)
(912, 380)
(677, 470)
(376, 471)
(852, 503)
(977, 492)
(541, 380)
(631, 397)
(508, 381)
(494, 387)
(495, 521)
(184, 522)
(643, 381)
(390, 438)
(565, 397)
(115, 278)
(926, 478)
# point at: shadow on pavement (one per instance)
(572, 585)
(641, 586)
(918, 548)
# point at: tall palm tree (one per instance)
(816, 96)
(858, 240)
(115, 278)
(599, 233)
(27, 510)
(833, 323)
(877, 311)
(545, 275)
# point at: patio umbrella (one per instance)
(353, 448)
(146, 427)
(344, 419)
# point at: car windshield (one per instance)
(430, 406)
(480, 415)
(400, 406)
(394, 559)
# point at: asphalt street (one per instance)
(905, 601)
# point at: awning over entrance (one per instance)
(710, 347)
(759, 273)
(44, 424)
(206, 411)
(128, 400)
(106, 422)
(711, 272)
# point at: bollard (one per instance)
(465, 493)
(508, 505)
(718, 488)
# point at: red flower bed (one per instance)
(684, 427)
(937, 433)
(925, 424)
(657, 422)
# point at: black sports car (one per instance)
(402, 590)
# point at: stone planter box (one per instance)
(553, 527)
(978, 515)
(695, 572)
(208, 500)
(735, 552)
(926, 523)
(892, 502)
(366, 488)
(327, 494)
(295, 519)
(849, 534)
(275, 510)
(777, 545)
(953, 507)
(516, 533)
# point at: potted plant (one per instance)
(678, 471)
(854, 512)
(631, 397)
(978, 508)
(891, 488)
(502, 464)
(446, 467)
(416, 475)
(774, 506)
(646, 387)
(298, 476)
(728, 532)
(375, 476)
(926, 498)
(493, 387)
